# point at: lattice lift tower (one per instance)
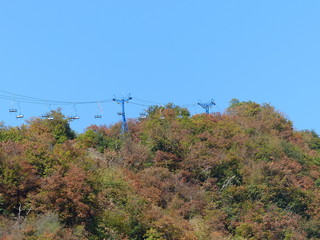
(124, 125)
(207, 106)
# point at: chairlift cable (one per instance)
(146, 101)
(138, 104)
(26, 99)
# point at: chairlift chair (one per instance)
(74, 117)
(47, 116)
(20, 116)
(13, 110)
(143, 116)
(98, 116)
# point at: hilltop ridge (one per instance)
(242, 174)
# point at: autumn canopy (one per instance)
(243, 174)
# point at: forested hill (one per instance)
(244, 174)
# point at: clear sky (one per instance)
(178, 51)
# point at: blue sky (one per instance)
(178, 51)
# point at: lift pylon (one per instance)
(124, 125)
(207, 105)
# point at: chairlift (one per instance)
(98, 114)
(119, 113)
(12, 110)
(143, 115)
(74, 117)
(47, 116)
(19, 115)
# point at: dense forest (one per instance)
(243, 174)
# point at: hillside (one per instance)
(244, 174)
